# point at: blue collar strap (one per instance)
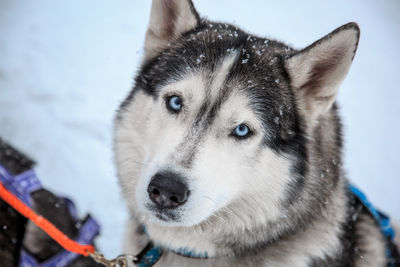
(151, 254)
(148, 256)
(383, 221)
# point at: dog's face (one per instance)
(218, 121)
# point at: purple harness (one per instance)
(22, 185)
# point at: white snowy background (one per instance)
(66, 65)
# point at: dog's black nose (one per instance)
(168, 190)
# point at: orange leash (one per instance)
(44, 224)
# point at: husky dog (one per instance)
(229, 146)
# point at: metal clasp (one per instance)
(99, 258)
(125, 261)
(120, 261)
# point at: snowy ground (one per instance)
(66, 65)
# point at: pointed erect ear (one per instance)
(168, 20)
(317, 71)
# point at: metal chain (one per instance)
(120, 261)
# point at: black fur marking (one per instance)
(193, 136)
(202, 123)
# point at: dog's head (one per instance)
(219, 121)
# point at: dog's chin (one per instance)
(168, 218)
(162, 216)
(163, 220)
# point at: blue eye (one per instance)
(241, 131)
(174, 103)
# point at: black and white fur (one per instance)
(276, 198)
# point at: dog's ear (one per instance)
(168, 20)
(317, 71)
